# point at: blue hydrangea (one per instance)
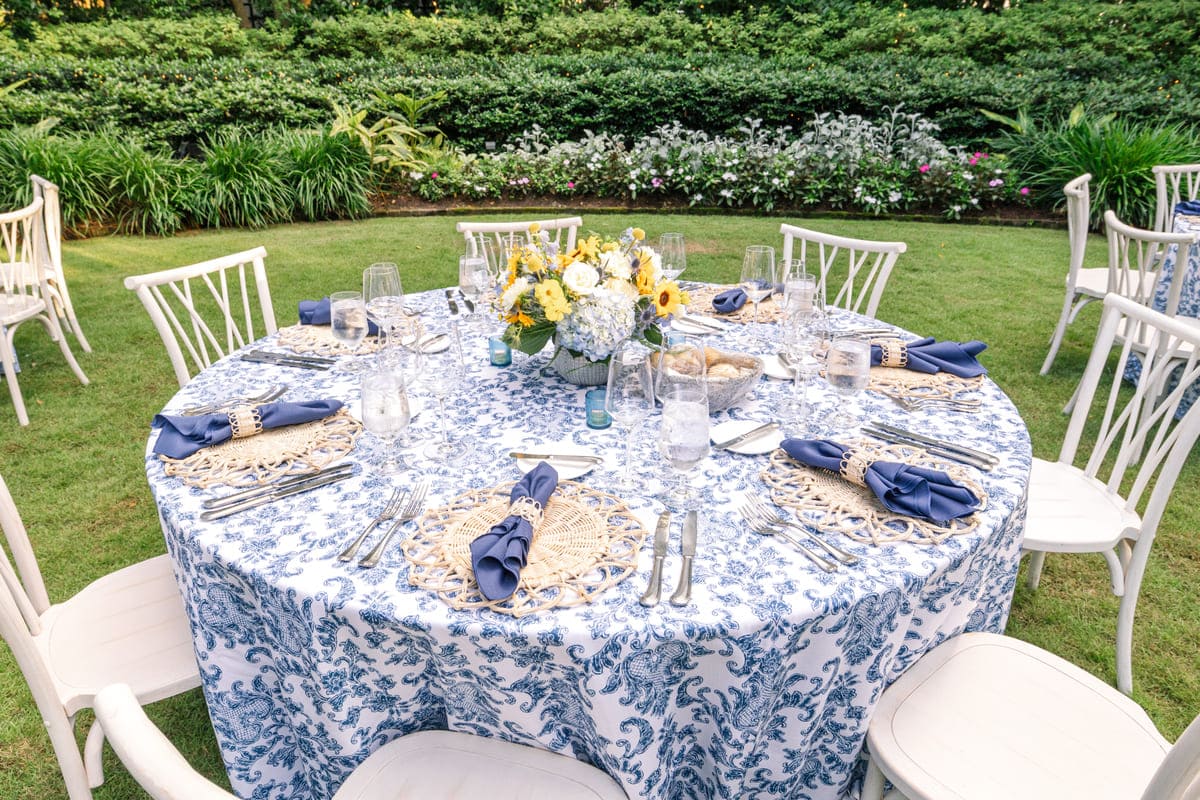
(597, 324)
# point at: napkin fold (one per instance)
(181, 436)
(729, 300)
(317, 312)
(929, 355)
(903, 488)
(1188, 207)
(498, 556)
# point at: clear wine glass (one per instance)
(848, 370)
(683, 437)
(674, 255)
(384, 299)
(473, 280)
(629, 399)
(385, 414)
(348, 324)
(443, 378)
(758, 274)
(680, 364)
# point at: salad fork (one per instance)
(760, 526)
(414, 506)
(271, 394)
(389, 511)
(771, 516)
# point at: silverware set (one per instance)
(767, 521)
(245, 499)
(683, 590)
(398, 510)
(288, 360)
(268, 396)
(982, 461)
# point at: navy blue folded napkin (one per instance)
(903, 488)
(498, 556)
(929, 355)
(729, 300)
(182, 436)
(317, 312)
(1188, 207)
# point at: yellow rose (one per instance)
(638, 234)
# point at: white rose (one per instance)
(518, 288)
(580, 278)
(622, 288)
(615, 265)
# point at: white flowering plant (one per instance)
(588, 300)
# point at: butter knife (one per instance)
(953, 455)
(576, 458)
(653, 592)
(929, 440)
(285, 483)
(753, 433)
(683, 592)
(273, 495)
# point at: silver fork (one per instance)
(389, 511)
(915, 403)
(274, 393)
(771, 516)
(759, 526)
(416, 502)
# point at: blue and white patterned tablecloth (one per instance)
(761, 688)
(1189, 295)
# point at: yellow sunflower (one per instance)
(667, 298)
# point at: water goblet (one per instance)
(348, 324)
(384, 298)
(629, 399)
(758, 274)
(682, 363)
(848, 370)
(385, 414)
(674, 255)
(443, 378)
(473, 281)
(683, 438)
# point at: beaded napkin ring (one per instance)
(854, 467)
(527, 508)
(895, 353)
(245, 421)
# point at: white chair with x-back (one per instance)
(561, 232)
(1172, 184)
(52, 227)
(863, 266)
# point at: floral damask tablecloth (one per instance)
(1189, 290)
(760, 688)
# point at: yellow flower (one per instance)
(550, 295)
(534, 262)
(645, 282)
(685, 298)
(638, 234)
(610, 247)
(586, 249)
(535, 228)
(667, 298)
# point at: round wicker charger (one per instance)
(701, 304)
(318, 340)
(908, 384)
(268, 455)
(830, 502)
(587, 542)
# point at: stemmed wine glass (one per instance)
(474, 279)
(683, 437)
(443, 378)
(629, 399)
(348, 324)
(674, 255)
(758, 274)
(848, 370)
(385, 414)
(384, 299)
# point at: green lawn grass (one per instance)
(76, 471)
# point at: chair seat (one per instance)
(986, 717)
(1072, 513)
(1092, 281)
(458, 766)
(16, 308)
(126, 627)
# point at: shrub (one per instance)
(242, 181)
(329, 175)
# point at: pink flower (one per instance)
(973, 160)
(656, 182)
(434, 176)
(1024, 191)
(979, 155)
(923, 168)
(570, 184)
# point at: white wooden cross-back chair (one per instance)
(25, 293)
(1138, 444)
(987, 717)
(126, 626)
(561, 232)
(209, 307)
(1173, 183)
(52, 227)
(867, 265)
(1084, 285)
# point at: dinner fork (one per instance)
(389, 511)
(954, 404)
(760, 526)
(771, 516)
(416, 502)
(273, 393)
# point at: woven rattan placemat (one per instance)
(701, 303)
(318, 340)
(910, 384)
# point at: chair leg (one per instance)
(1133, 587)
(1034, 575)
(51, 322)
(93, 755)
(10, 377)
(873, 783)
(1060, 331)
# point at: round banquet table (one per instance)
(761, 687)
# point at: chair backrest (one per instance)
(1172, 183)
(51, 222)
(560, 232)
(196, 306)
(1180, 770)
(1138, 442)
(1134, 258)
(1079, 209)
(21, 263)
(867, 267)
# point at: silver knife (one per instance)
(683, 592)
(578, 458)
(275, 494)
(701, 322)
(295, 357)
(283, 362)
(257, 491)
(982, 466)
(753, 433)
(653, 592)
(929, 440)
(450, 302)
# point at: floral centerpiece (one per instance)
(588, 300)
